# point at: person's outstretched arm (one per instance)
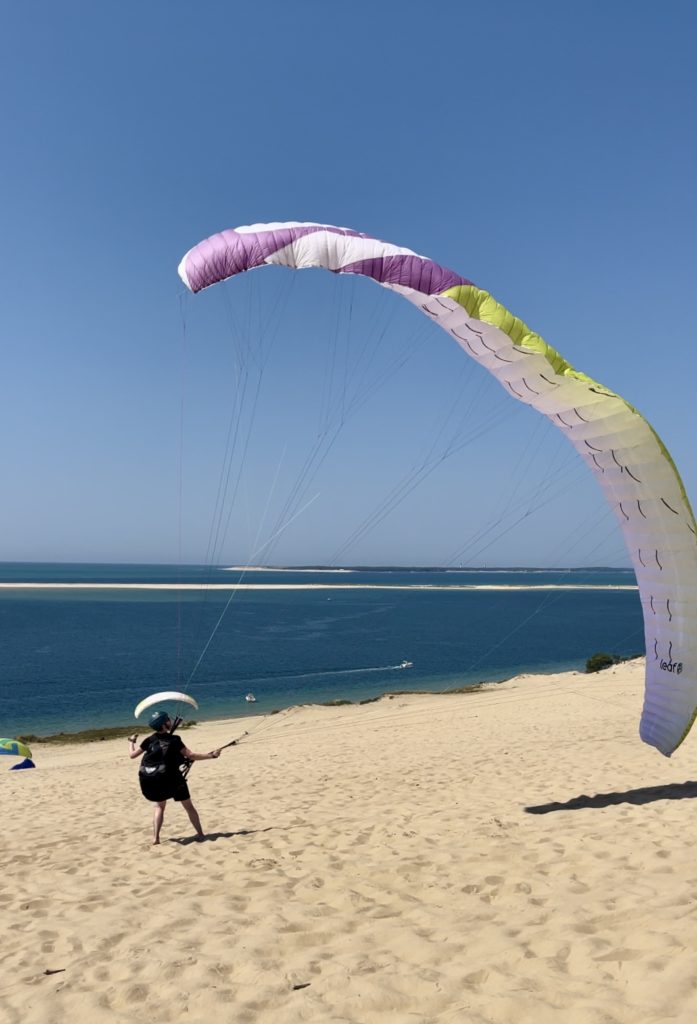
(190, 756)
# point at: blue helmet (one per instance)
(158, 719)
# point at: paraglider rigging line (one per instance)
(236, 588)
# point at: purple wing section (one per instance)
(231, 252)
(409, 272)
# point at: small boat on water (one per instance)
(406, 664)
(250, 698)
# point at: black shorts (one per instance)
(163, 787)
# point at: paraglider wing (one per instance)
(621, 448)
(15, 748)
(160, 698)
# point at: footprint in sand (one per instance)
(34, 905)
(619, 955)
(137, 994)
(585, 928)
(476, 978)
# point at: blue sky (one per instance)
(546, 151)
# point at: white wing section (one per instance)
(160, 698)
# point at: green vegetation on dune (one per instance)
(601, 660)
(91, 735)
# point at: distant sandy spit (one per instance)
(312, 586)
(514, 854)
(281, 568)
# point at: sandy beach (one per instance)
(512, 854)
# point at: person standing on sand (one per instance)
(160, 775)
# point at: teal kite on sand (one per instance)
(14, 748)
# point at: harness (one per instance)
(154, 763)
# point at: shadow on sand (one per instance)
(645, 795)
(212, 837)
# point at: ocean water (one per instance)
(74, 658)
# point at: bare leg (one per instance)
(158, 813)
(193, 816)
